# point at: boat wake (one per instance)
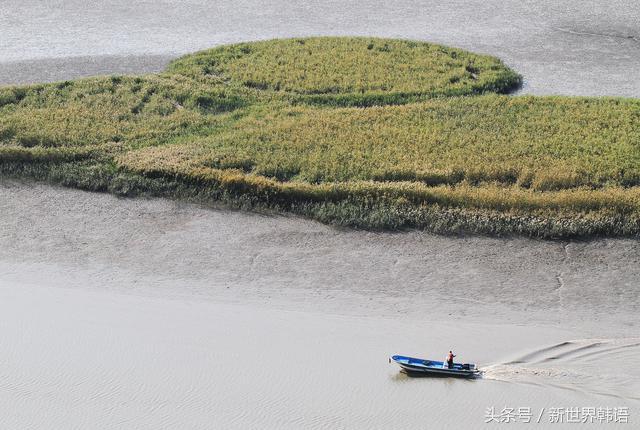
(604, 367)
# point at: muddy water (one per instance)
(586, 47)
(157, 314)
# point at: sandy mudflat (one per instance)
(158, 314)
(151, 314)
(62, 69)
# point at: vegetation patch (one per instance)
(362, 132)
(352, 71)
(541, 143)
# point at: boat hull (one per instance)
(422, 367)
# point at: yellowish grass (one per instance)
(352, 71)
(419, 143)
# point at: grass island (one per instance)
(363, 132)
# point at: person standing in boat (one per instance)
(450, 356)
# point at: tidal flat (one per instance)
(160, 314)
(151, 313)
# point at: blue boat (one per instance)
(420, 366)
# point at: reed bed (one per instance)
(131, 111)
(542, 143)
(352, 71)
(362, 132)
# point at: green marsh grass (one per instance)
(351, 71)
(362, 132)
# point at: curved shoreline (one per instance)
(149, 246)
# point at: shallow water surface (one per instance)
(96, 359)
(585, 47)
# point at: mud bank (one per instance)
(156, 314)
